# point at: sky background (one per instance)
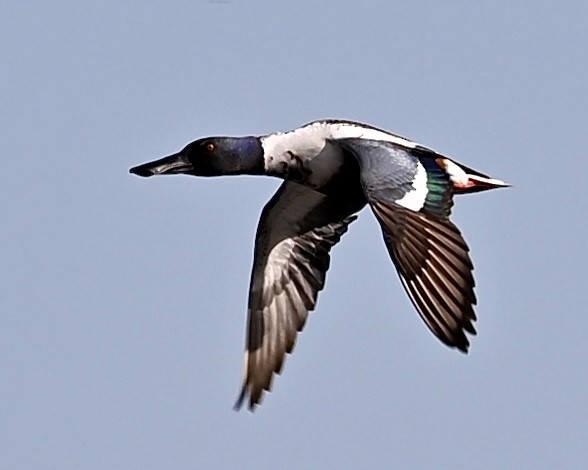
(123, 300)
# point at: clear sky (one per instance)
(123, 300)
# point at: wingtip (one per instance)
(458, 341)
(242, 398)
(463, 345)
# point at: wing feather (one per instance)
(428, 251)
(297, 229)
(433, 262)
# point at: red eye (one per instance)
(210, 147)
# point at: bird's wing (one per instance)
(296, 232)
(411, 196)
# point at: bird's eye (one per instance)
(210, 147)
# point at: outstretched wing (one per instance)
(432, 260)
(297, 229)
(411, 196)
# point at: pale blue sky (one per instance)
(123, 300)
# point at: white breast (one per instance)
(307, 149)
(304, 150)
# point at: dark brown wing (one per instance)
(411, 195)
(432, 260)
(297, 229)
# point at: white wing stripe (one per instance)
(415, 198)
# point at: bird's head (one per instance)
(211, 156)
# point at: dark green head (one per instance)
(211, 156)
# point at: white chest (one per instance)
(303, 155)
(310, 154)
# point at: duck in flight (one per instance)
(331, 170)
